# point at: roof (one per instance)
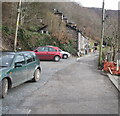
(44, 27)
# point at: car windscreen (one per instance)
(6, 60)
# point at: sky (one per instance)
(109, 4)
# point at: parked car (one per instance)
(17, 68)
(65, 54)
(48, 53)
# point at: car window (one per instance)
(29, 58)
(60, 50)
(42, 49)
(6, 59)
(52, 50)
(20, 59)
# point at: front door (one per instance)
(42, 53)
(19, 72)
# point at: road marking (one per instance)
(29, 111)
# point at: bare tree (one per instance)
(111, 36)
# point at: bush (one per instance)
(29, 40)
(7, 31)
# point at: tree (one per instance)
(111, 35)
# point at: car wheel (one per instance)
(36, 75)
(65, 56)
(4, 88)
(56, 58)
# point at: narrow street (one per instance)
(67, 87)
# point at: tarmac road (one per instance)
(67, 87)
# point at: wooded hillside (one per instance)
(38, 15)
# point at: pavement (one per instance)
(115, 80)
(68, 87)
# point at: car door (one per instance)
(30, 65)
(51, 52)
(19, 71)
(42, 53)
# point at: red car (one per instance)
(48, 53)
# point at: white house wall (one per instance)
(82, 42)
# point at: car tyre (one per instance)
(57, 58)
(4, 88)
(65, 56)
(36, 75)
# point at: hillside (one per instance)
(37, 15)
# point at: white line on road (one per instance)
(29, 112)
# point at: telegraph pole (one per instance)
(17, 24)
(102, 35)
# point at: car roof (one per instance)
(50, 46)
(13, 52)
(7, 52)
(25, 52)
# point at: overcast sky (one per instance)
(109, 4)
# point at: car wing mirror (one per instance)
(35, 50)
(18, 65)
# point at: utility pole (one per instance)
(78, 42)
(17, 24)
(102, 35)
